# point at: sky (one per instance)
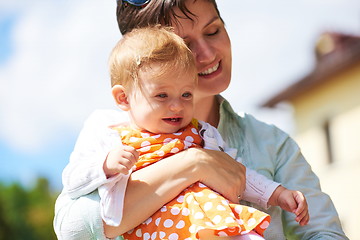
(53, 68)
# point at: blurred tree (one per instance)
(27, 213)
(5, 226)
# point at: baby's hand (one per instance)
(292, 201)
(120, 160)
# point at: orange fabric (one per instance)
(197, 208)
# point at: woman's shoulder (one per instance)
(250, 129)
(263, 141)
(256, 127)
(246, 121)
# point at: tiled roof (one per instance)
(334, 52)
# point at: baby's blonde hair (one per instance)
(142, 47)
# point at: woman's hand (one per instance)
(220, 172)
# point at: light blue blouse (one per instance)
(271, 152)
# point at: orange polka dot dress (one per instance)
(195, 209)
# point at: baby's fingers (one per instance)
(303, 218)
(301, 212)
(132, 155)
(301, 203)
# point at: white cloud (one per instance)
(58, 73)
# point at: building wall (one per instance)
(328, 116)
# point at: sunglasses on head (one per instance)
(137, 3)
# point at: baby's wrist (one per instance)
(274, 198)
(107, 170)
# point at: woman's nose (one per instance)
(203, 51)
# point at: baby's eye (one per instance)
(187, 95)
(161, 95)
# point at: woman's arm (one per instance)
(150, 188)
(295, 173)
(276, 155)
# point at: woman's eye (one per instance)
(161, 95)
(213, 32)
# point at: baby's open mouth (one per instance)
(172, 119)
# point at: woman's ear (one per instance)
(120, 97)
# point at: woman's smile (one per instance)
(210, 70)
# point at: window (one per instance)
(329, 147)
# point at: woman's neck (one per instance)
(207, 109)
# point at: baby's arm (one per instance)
(291, 201)
(264, 192)
(117, 166)
(85, 171)
(259, 189)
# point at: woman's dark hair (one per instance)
(155, 12)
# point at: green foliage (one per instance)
(27, 213)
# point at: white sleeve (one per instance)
(84, 172)
(112, 196)
(258, 188)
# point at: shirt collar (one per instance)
(230, 125)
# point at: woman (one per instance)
(262, 147)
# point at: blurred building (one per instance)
(326, 106)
